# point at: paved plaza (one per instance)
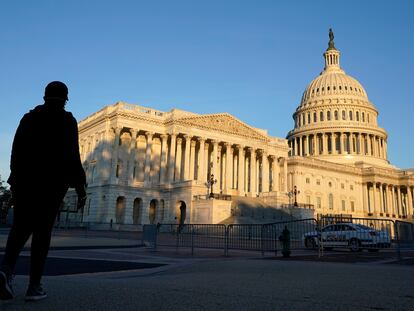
(169, 280)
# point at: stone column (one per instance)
(361, 143)
(306, 143)
(272, 175)
(296, 146)
(333, 143)
(234, 170)
(220, 167)
(385, 150)
(147, 169)
(171, 159)
(379, 147)
(381, 207)
(214, 169)
(229, 164)
(200, 161)
(324, 143)
(265, 173)
(317, 147)
(341, 143)
(399, 200)
(178, 159)
(356, 136)
(369, 142)
(285, 175)
(301, 152)
(192, 159)
(241, 177)
(132, 150)
(276, 175)
(163, 169)
(394, 208)
(115, 155)
(365, 194)
(252, 171)
(186, 169)
(410, 201)
(388, 199)
(374, 197)
(207, 161)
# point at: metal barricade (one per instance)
(149, 236)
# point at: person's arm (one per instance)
(17, 151)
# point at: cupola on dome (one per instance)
(333, 80)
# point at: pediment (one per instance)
(223, 123)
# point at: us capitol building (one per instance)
(147, 166)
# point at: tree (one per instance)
(5, 195)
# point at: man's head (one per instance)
(56, 93)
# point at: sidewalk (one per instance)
(210, 281)
(230, 284)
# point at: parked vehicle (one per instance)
(348, 235)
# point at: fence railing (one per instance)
(356, 235)
(326, 233)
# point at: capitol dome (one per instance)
(335, 119)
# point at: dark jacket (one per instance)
(45, 152)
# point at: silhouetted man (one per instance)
(45, 162)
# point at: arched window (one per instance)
(309, 118)
(363, 116)
(336, 114)
(180, 212)
(357, 116)
(328, 115)
(350, 115)
(343, 115)
(152, 211)
(314, 117)
(120, 210)
(368, 117)
(137, 211)
(331, 203)
(303, 119)
(321, 116)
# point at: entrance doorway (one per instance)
(180, 210)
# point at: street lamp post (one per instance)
(295, 193)
(211, 181)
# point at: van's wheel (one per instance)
(354, 245)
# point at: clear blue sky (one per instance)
(252, 59)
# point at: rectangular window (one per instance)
(351, 187)
(342, 186)
(308, 180)
(343, 205)
(318, 202)
(308, 200)
(352, 206)
(318, 181)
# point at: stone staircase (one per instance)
(247, 210)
